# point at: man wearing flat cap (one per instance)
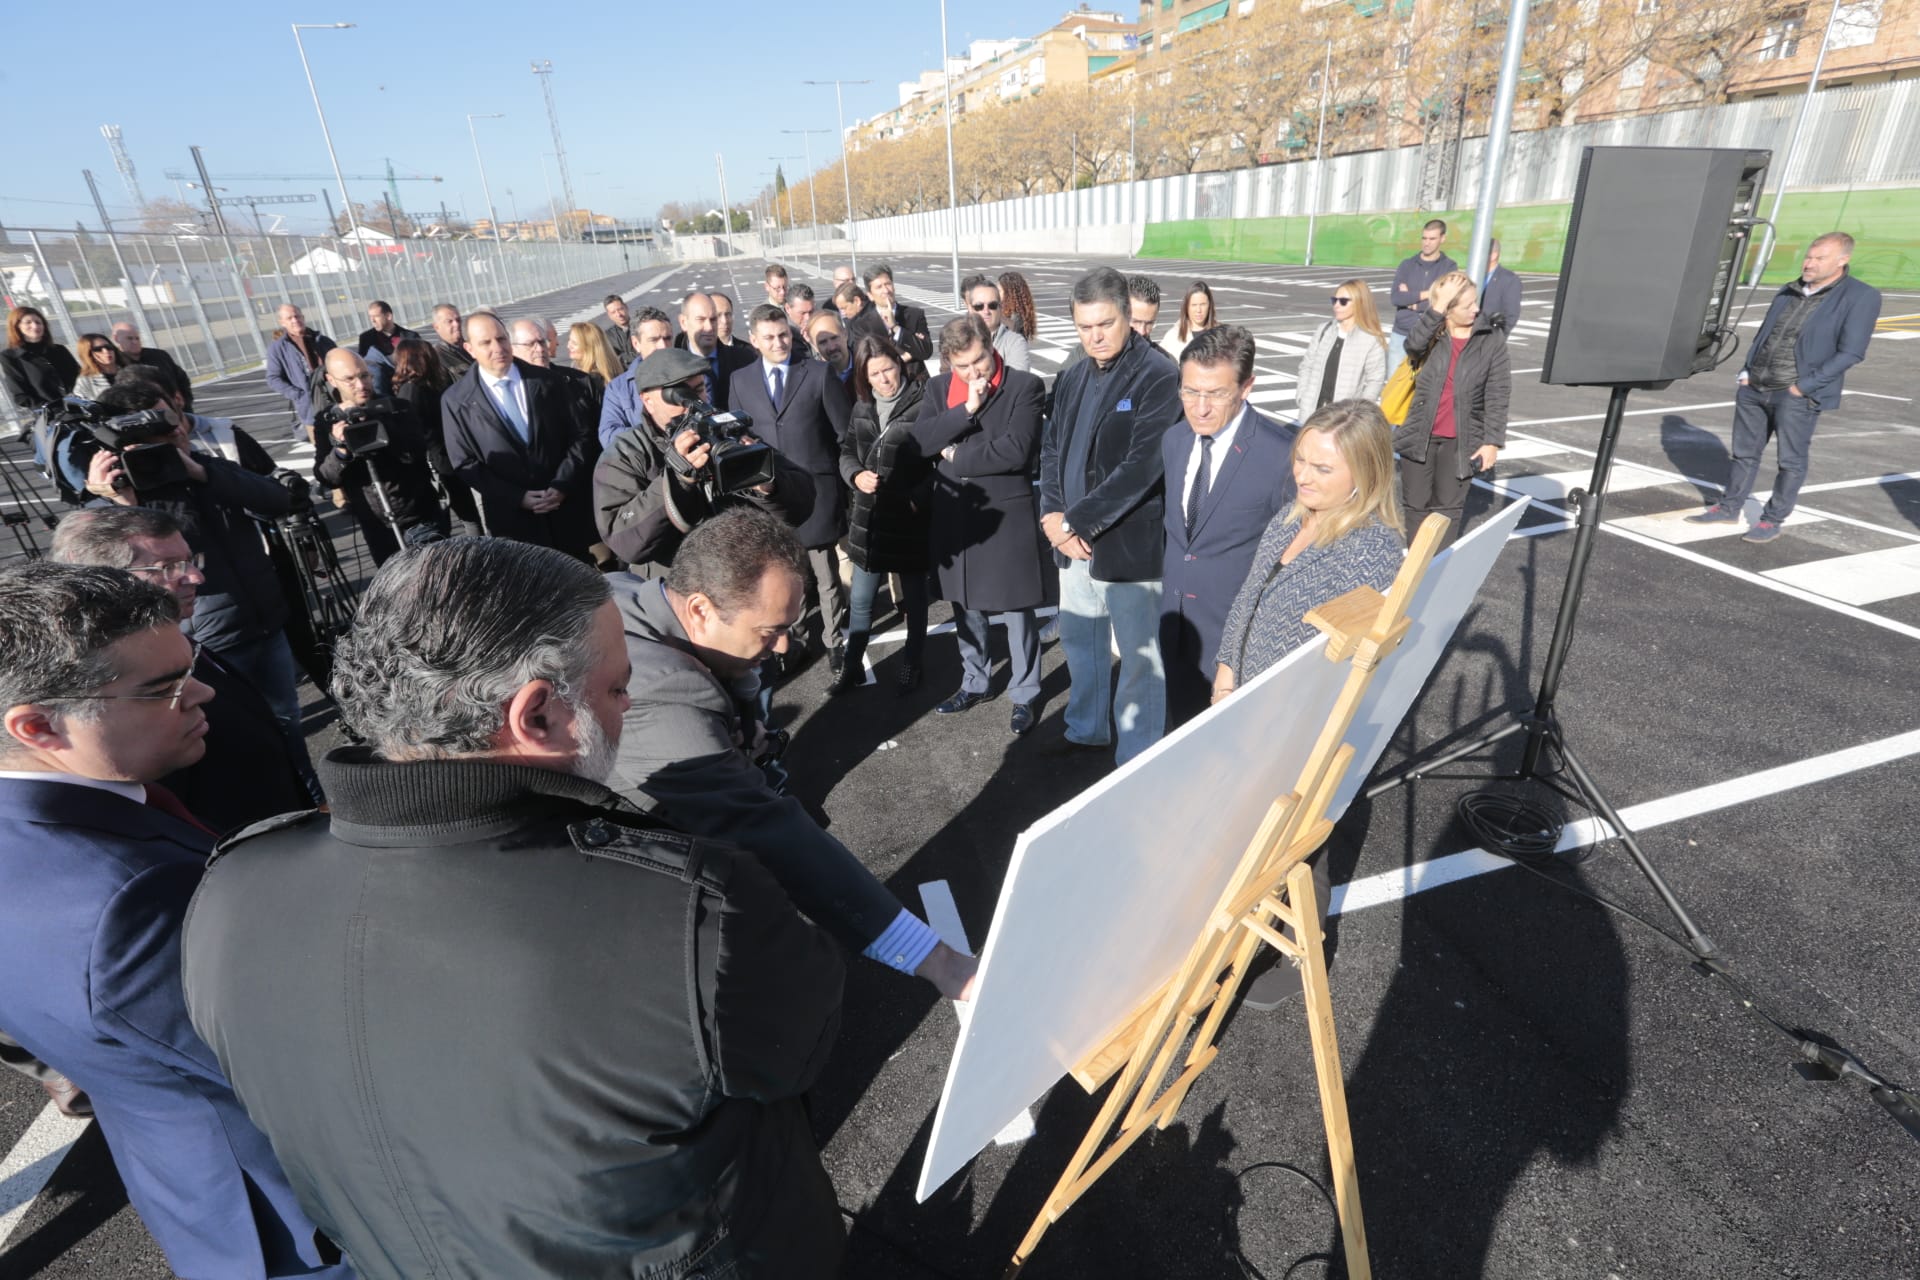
(651, 486)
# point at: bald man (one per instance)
(515, 436)
(700, 334)
(389, 489)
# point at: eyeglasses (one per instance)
(532, 342)
(986, 306)
(99, 351)
(172, 568)
(171, 697)
(1193, 395)
(1339, 301)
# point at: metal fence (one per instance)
(1864, 135)
(213, 303)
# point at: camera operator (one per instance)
(692, 747)
(388, 486)
(656, 482)
(242, 611)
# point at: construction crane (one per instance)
(124, 163)
(391, 178)
(544, 69)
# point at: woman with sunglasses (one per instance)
(99, 365)
(38, 371)
(1347, 359)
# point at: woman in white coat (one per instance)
(1347, 359)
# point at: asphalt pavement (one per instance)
(1539, 1086)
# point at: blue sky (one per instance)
(647, 93)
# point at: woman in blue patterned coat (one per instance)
(1342, 532)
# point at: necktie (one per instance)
(1198, 493)
(510, 407)
(779, 385)
(158, 797)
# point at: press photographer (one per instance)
(379, 458)
(683, 462)
(241, 609)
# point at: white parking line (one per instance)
(32, 1162)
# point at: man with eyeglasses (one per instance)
(982, 298)
(1227, 475)
(247, 773)
(98, 863)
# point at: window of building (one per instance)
(1857, 25)
(1783, 40)
(1635, 73)
(1647, 8)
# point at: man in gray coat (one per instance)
(692, 740)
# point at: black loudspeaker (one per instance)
(1653, 256)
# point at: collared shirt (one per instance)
(500, 387)
(786, 379)
(1222, 441)
(134, 791)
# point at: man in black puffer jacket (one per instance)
(242, 611)
(495, 1021)
(402, 494)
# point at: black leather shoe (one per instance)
(961, 701)
(849, 679)
(837, 656)
(909, 679)
(1023, 718)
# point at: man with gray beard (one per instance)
(482, 990)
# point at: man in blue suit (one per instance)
(97, 866)
(1817, 329)
(1229, 472)
(801, 408)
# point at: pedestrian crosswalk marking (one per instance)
(1866, 577)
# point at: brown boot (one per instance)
(68, 1096)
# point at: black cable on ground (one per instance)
(1247, 1269)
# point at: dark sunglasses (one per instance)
(986, 306)
(1339, 301)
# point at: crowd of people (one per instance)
(557, 871)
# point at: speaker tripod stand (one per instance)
(1542, 724)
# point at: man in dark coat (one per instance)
(1816, 329)
(126, 336)
(645, 503)
(248, 771)
(381, 332)
(390, 492)
(699, 333)
(97, 866)
(1227, 476)
(905, 325)
(514, 436)
(982, 419)
(449, 340)
(1102, 500)
(496, 1021)
(800, 408)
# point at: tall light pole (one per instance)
(812, 202)
(1319, 151)
(499, 249)
(846, 167)
(953, 186)
(1496, 153)
(1793, 148)
(793, 220)
(339, 179)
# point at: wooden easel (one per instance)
(1362, 628)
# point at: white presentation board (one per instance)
(1105, 895)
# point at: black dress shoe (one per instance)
(909, 679)
(961, 701)
(837, 656)
(1023, 718)
(850, 678)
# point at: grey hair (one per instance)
(647, 315)
(104, 535)
(1839, 239)
(448, 633)
(57, 622)
(1102, 284)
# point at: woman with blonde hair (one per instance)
(589, 351)
(1343, 531)
(1463, 382)
(1347, 359)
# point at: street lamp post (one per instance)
(332, 157)
(953, 186)
(806, 136)
(846, 167)
(499, 249)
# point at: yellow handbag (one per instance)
(1397, 398)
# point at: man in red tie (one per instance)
(97, 867)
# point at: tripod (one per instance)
(1542, 724)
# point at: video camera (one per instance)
(147, 465)
(364, 427)
(733, 464)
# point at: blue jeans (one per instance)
(913, 589)
(1093, 615)
(1790, 420)
(1396, 352)
(268, 663)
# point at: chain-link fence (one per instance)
(213, 302)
